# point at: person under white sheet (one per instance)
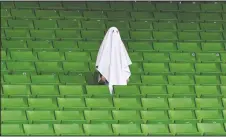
(113, 60)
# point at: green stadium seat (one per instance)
(155, 104)
(42, 103)
(13, 117)
(161, 36)
(153, 91)
(181, 80)
(6, 130)
(71, 90)
(48, 67)
(188, 36)
(5, 13)
(17, 34)
(17, 79)
(93, 25)
(188, 46)
(164, 16)
(184, 129)
(121, 25)
(3, 67)
(26, 4)
(99, 103)
(141, 15)
(156, 57)
(4, 55)
(211, 36)
(127, 129)
(207, 91)
(15, 90)
(140, 46)
(209, 116)
(211, 129)
(39, 44)
(20, 24)
(210, 17)
(181, 67)
(65, 45)
(71, 103)
(155, 129)
(75, 67)
(74, 5)
(67, 34)
(97, 129)
(126, 91)
(144, 6)
(89, 45)
(136, 68)
(50, 56)
(212, 47)
(182, 116)
(94, 15)
(141, 25)
(223, 90)
(14, 103)
(211, 7)
(211, 26)
(164, 26)
(42, 34)
(154, 80)
(103, 5)
(135, 56)
(208, 57)
(121, 6)
(166, 6)
(46, 14)
(155, 116)
(92, 34)
(127, 103)
(72, 79)
(159, 68)
(23, 13)
(223, 80)
(141, 35)
(22, 55)
(41, 117)
(182, 103)
(68, 129)
(97, 91)
(223, 57)
(4, 23)
(70, 14)
(45, 24)
(99, 116)
(69, 24)
(21, 66)
(127, 116)
(212, 68)
(38, 129)
(207, 80)
(182, 57)
(208, 103)
(187, 26)
(77, 56)
(117, 15)
(223, 68)
(50, 5)
(164, 46)
(70, 117)
(43, 90)
(181, 91)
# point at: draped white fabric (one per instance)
(113, 60)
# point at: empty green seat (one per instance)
(136, 68)
(68, 129)
(210, 17)
(93, 24)
(20, 24)
(127, 129)
(188, 36)
(119, 24)
(185, 26)
(155, 129)
(39, 44)
(212, 47)
(121, 6)
(5, 13)
(164, 46)
(42, 103)
(182, 116)
(154, 80)
(14, 103)
(42, 34)
(73, 5)
(161, 35)
(72, 79)
(4, 55)
(181, 67)
(153, 91)
(17, 79)
(142, 15)
(23, 55)
(103, 5)
(71, 90)
(21, 66)
(207, 68)
(71, 103)
(98, 116)
(155, 103)
(6, 129)
(211, 7)
(164, 16)
(211, 26)
(97, 129)
(207, 80)
(164, 26)
(94, 90)
(69, 24)
(211, 36)
(94, 15)
(156, 57)
(140, 46)
(155, 116)
(89, 45)
(181, 80)
(144, 6)
(209, 115)
(99, 103)
(44, 90)
(117, 15)
(27, 4)
(13, 117)
(14, 44)
(189, 7)
(4, 23)
(65, 45)
(22, 13)
(38, 129)
(70, 14)
(207, 91)
(41, 117)
(211, 129)
(184, 129)
(48, 67)
(50, 56)
(92, 34)
(208, 103)
(141, 25)
(45, 24)
(127, 116)
(50, 5)
(49, 14)
(166, 6)
(75, 67)
(21, 34)
(181, 103)
(182, 57)
(67, 34)
(155, 68)
(208, 57)
(188, 46)
(127, 103)
(15, 90)
(135, 56)
(141, 35)
(70, 116)
(126, 91)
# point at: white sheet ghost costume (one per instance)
(113, 60)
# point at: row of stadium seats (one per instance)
(114, 129)
(98, 35)
(113, 117)
(132, 45)
(106, 103)
(119, 91)
(102, 25)
(135, 79)
(143, 6)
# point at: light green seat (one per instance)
(112, 15)
(127, 103)
(50, 56)
(65, 45)
(39, 44)
(44, 79)
(182, 57)
(23, 13)
(210, 68)
(181, 91)
(211, 7)
(52, 67)
(164, 16)
(181, 80)
(141, 15)
(166, 6)
(20, 24)
(4, 55)
(208, 57)
(188, 36)
(211, 129)
(41, 117)
(70, 14)
(72, 79)
(154, 80)
(72, 5)
(223, 90)
(17, 79)
(4, 23)
(75, 67)
(93, 25)
(206, 116)
(14, 44)
(14, 103)
(140, 35)
(182, 103)
(97, 129)
(188, 7)
(38, 129)
(155, 116)
(126, 91)
(161, 35)
(89, 45)
(136, 68)
(207, 80)
(71, 103)
(121, 6)
(26, 4)
(119, 24)
(42, 103)
(155, 103)
(5, 13)
(155, 129)
(70, 116)
(155, 68)
(20, 34)
(211, 26)
(92, 34)
(184, 129)
(223, 80)
(188, 46)
(15, 90)
(135, 56)
(21, 66)
(186, 26)
(46, 14)
(182, 116)
(127, 116)
(182, 67)
(45, 24)
(23, 55)
(207, 91)
(67, 34)
(68, 129)
(13, 117)
(156, 57)
(50, 5)
(140, 46)
(153, 91)
(126, 129)
(99, 103)
(164, 26)
(94, 15)
(141, 25)
(42, 34)
(104, 5)
(211, 36)
(71, 90)
(6, 130)
(144, 6)
(223, 57)
(68, 24)
(212, 47)
(95, 91)
(164, 46)
(44, 90)
(208, 103)
(210, 17)
(99, 116)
